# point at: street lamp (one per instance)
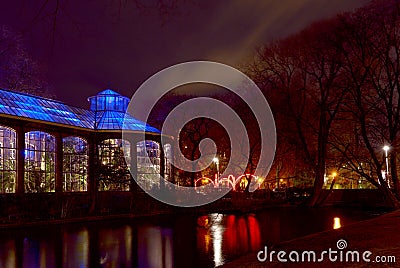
(216, 161)
(386, 149)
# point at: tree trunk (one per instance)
(192, 179)
(325, 196)
(248, 178)
(390, 198)
(393, 174)
(318, 184)
(321, 160)
(193, 173)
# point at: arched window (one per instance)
(148, 162)
(39, 162)
(167, 162)
(8, 167)
(114, 173)
(75, 164)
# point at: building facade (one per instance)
(47, 146)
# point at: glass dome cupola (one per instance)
(108, 100)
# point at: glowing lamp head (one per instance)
(334, 174)
(216, 160)
(336, 223)
(386, 148)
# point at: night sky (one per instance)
(116, 44)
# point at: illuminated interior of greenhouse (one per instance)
(48, 146)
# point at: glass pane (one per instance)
(8, 168)
(148, 161)
(114, 174)
(39, 162)
(75, 163)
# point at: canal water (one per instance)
(165, 241)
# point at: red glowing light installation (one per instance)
(230, 180)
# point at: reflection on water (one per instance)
(115, 247)
(38, 253)
(7, 253)
(155, 247)
(75, 246)
(165, 241)
(230, 234)
(216, 236)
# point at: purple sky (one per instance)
(111, 43)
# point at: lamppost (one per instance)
(386, 149)
(216, 161)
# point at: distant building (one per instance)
(48, 146)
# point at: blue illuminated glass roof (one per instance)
(109, 100)
(108, 92)
(48, 110)
(115, 120)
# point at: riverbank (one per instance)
(147, 209)
(52, 208)
(380, 236)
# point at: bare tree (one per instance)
(304, 71)
(369, 41)
(19, 71)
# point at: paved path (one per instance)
(380, 235)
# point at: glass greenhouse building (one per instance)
(48, 146)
